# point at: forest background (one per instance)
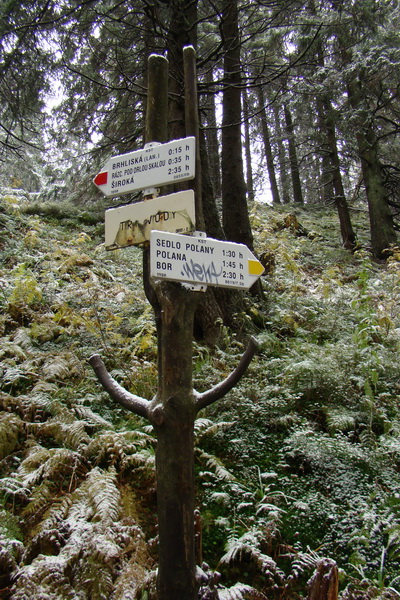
(302, 460)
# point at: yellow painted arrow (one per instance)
(255, 267)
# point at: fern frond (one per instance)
(54, 516)
(148, 590)
(216, 466)
(203, 427)
(240, 550)
(73, 435)
(144, 460)
(22, 338)
(13, 489)
(240, 591)
(368, 438)
(134, 576)
(267, 507)
(47, 541)
(340, 420)
(96, 564)
(118, 448)
(94, 420)
(108, 447)
(55, 464)
(97, 498)
(107, 496)
(65, 366)
(303, 562)
(32, 467)
(10, 428)
(44, 579)
(221, 498)
(12, 350)
(41, 495)
(245, 549)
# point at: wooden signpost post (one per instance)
(173, 410)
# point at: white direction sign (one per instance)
(153, 166)
(130, 225)
(204, 261)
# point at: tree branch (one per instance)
(135, 404)
(206, 398)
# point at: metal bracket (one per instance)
(150, 193)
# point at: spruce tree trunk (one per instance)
(267, 147)
(210, 209)
(381, 221)
(283, 177)
(382, 229)
(326, 186)
(182, 32)
(294, 164)
(247, 147)
(235, 216)
(211, 137)
(331, 176)
(346, 228)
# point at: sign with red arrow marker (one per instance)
(153, 166)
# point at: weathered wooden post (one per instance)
(173, 410)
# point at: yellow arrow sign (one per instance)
(255, 267)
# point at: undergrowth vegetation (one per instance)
(299, 462)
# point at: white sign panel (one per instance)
(153, 166)
(204, 261)
(130, 225)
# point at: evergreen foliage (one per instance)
(298, 463)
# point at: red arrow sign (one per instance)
(101, 178)
(153, 166)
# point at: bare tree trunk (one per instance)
(173, 410)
